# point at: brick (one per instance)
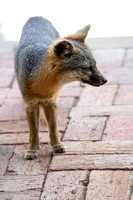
(65, 185)
(118, 75)
(21, 138)
(14, 93)
(15, 126)
(18, 165)
(129, 58)
(106, 185)
(20, 183)
(1, 102)
(89, 162)
(97, 96)
(65, 106)
(6, 77)
(6, 61)
(100, 147)
(124, 95)
(13, 139)
(71, 92)
(21, 195)
(87, 128)
(15, 84)
(21, 126)
(119, 127)
(3, 94)
(109, 57)
(12, 109)
(101, 111)
(5, 154)
(61, 125)
(7, 47)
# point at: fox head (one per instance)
(73, 60)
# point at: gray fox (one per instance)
(44, 62)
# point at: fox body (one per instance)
(44, 62)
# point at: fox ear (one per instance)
(63, 48)
(81, 34)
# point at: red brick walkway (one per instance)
(96, 124)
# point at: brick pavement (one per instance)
(96, 125)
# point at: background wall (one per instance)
(107, 17)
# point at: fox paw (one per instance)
(59, 148)
(31, 154)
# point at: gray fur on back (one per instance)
(37, 35)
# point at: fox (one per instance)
(44, 63)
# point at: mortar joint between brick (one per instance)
(69, 118)
(115, 94)
(130, 192)
(87, 183)
(65, 129)
(76, 100)
(6, 172)
(43, 184)
(12, 81)
(105, 125)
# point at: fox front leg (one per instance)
(32, 113)
(51, 113)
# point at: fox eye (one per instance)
(85, 68)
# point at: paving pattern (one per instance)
(96, 125)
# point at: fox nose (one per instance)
(104, 80)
